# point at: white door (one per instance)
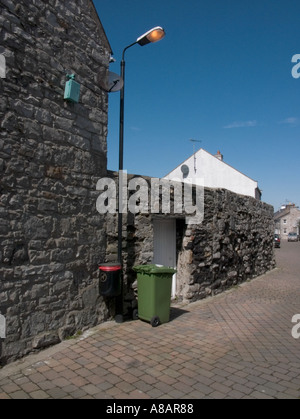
(165, 246)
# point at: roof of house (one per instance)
(284, 212)
(281, 213)
(202, 150)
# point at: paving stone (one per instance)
(132, 360)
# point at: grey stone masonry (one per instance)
(233, 244)
(52, 152)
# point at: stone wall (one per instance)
(52, 153)
(234, 243)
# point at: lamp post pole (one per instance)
(121, 128)
(119, 300)
(154, 35)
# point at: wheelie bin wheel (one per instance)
(135, 314)
(155, 321)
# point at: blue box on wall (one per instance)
(72, 90)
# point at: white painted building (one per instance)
(210, 171)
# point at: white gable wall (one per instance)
(213, 173)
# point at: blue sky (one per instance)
(222, 76)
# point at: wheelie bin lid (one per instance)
(154, 269)
(110, 267)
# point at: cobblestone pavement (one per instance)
(235, 345)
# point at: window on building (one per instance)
(284, 221)
(284, 230)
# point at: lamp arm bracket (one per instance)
(126, 48)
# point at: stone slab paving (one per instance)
(235, 345)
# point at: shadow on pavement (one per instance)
(176, 312)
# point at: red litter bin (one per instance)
(110, 279)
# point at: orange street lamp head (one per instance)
(154, 35)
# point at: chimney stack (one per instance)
(219, 155)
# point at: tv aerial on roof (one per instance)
(195, 141)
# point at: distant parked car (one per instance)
(292, 237)
(276, 240)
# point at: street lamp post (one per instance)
(154, 35)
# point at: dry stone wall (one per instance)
(232, 244)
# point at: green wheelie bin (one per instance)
(154, 284)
